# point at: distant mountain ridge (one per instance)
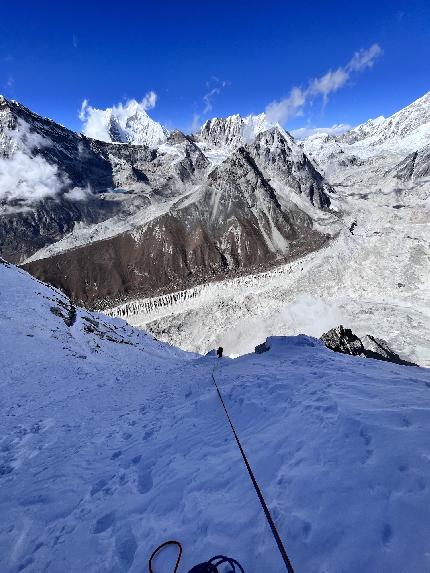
(134, 219)
(409, 127)
(239, 195)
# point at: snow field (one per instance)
(112, 442)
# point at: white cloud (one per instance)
(27, 178)
(96, 121)
(280, 111)
(328, 83)
(305, 315)
(219, 85)
(336, 129)
(216, 86)
(195, 124)
(364, 59)
(78, 193)
(292, 105)
(149, 101)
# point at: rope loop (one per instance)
(162, 546)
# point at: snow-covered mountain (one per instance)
(112, 442)
(233, 223)
(383, 141)
(127, 123)
(268, 219)
(407, 129)
(169, 216)
(373, 275)
(53, 181)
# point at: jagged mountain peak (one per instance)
(277, 153)
(276, 137)
(232, 131)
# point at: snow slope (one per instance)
(407, 129)
(112, 442)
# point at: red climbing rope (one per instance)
(154, 553)
(256, 486)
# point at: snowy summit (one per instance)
(128, 123)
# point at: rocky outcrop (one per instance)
(343, 340)
(414, 167)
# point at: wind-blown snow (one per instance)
(112, 443)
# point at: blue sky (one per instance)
(248, 54)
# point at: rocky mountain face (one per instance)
(415, 167)
(132, 220)
(232, 131)
(276, 153)
(93, 180)
(234, 223)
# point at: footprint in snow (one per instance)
(144, 479)
(367, 439)
(126, 547)
(387, 534)
(104, 523)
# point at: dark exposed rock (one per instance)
(189, 245)
(415, 166)
(261, 348)
(24, 231)
(343, 340)
(277, 154)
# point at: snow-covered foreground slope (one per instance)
(112, 442)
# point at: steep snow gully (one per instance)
(112, 442)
